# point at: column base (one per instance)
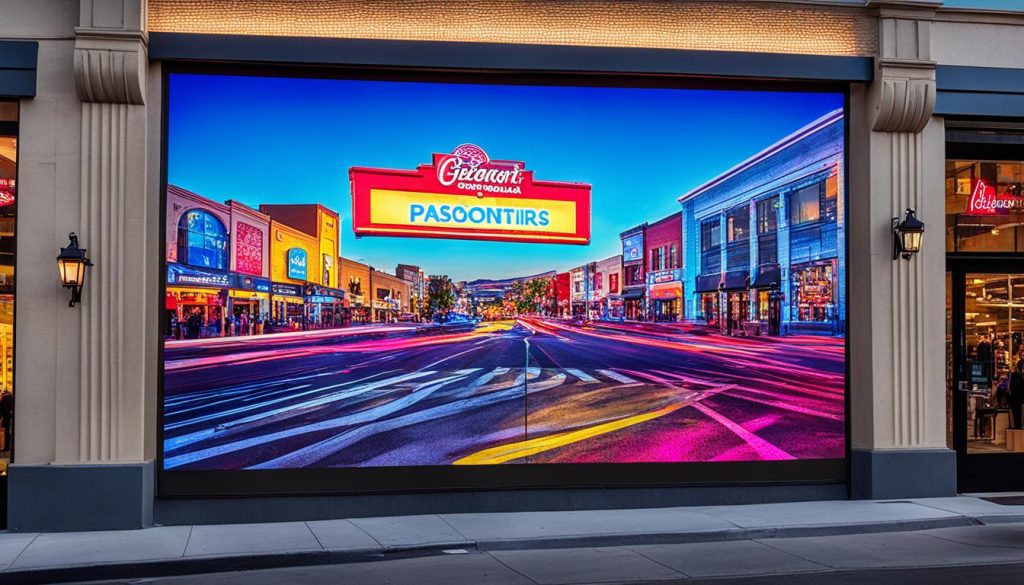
(884, 474)
(63, 498)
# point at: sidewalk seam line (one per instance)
(363, 530)
(22, 551)
(449, 525)
(834, 568)
(656, 561)
(950, 540)
(315, 537)
(504, 564)
(188, 539)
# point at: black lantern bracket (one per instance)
(72, 263)
(906, 235)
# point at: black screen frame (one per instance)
(172, 484)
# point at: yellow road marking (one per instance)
(518, 450)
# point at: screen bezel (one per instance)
(412, 479)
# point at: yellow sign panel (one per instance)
(458, 211)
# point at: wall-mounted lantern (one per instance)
(72, 263)
(906, 235)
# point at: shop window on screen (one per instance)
(805, 205)
(202, 240)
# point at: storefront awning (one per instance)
(666, 291)
(736, 280)
(708, 282)
(181, 275)
(768, 276)
(632, 294)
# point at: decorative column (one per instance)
(897, 354)
(100, 452)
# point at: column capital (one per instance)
(904, 87)
(111, 52)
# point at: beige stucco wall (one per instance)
(47, 335)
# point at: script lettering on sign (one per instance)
(985, 201)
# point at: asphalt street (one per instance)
(531, 390)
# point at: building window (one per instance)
(710, 236)
(767, 231)
(805, 205)
(202, 240)
(767, 215)
(738, 224)
(634, 274)
(710, 246)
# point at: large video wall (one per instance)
(368, 273)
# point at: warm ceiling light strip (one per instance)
(720, 26)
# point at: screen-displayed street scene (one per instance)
(366, 273)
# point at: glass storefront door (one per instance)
(987, 374)
(984, 205)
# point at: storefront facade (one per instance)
(634, 273)
(769, 231)
(355, 279)
(921, 408)
(664, 260)
(608, 286)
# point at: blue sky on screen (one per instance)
(290, 140)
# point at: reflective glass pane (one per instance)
(994, 360)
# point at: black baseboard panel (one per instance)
(297, 508)
(65, 498)
(902, 473)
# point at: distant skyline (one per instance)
(292, 140)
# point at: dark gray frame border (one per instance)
(979, 91)
(18, 68)
(500, 56)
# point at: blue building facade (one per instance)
(763, 243)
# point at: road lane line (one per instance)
(582, 375)
(191, 438)
(764, 449)
(328, 424)
(617, 376)
(317, 451)
(520, 449)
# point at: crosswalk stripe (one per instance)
(617, 376)
(581, 375)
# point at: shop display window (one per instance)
(984, 206)
(814, 292)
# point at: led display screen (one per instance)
(378, 272)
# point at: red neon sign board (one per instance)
(466, 195)
(985, 201)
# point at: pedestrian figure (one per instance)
(1016, 394)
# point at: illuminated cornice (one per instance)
(776, 27)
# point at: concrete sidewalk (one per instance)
(178, 550)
